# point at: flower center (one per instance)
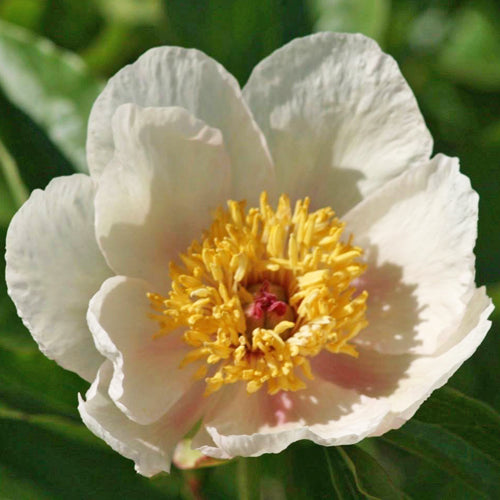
(263, 292)
(268, 308)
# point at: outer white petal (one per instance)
(54, 266)
(428, 373)
(250, 425)
(418, 232)
(168, 173)
(146, 380)
(172, 76)
(339, 118)
(150, 446)
(404, 381)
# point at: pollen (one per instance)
(262, 293)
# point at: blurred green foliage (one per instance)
(450, 53)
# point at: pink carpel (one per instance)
(265, 302)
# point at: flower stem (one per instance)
(242, 479)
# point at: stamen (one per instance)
(264, 291)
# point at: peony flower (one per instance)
(327, 305)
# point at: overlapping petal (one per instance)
(165, 164)
(187, 78)
(146, 380)
(150, 446)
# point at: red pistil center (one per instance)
(265, 302)
(268, 308)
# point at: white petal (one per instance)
(339, 118)
(324, 413)
(172, 76)
(404, 381)
(337, 415)
(372, 373)
(418, 232)
(150, 446)
(147, 380)
(428, 373)
(168, 173)
(204, 443)
(54, 266)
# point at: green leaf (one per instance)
(37, 158)
(450, 453)
(14, 486)
(64, 460)
(472, 53)
(473, 421)
(50, 86)
(459, 436)
(370, 477)
(57, 423)
(341, 474)
(15, 189)
(8, 204)
(418, 478)
(32, 383)
(369, 17)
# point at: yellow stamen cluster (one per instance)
(300, 252)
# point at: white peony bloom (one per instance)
(268, 322)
